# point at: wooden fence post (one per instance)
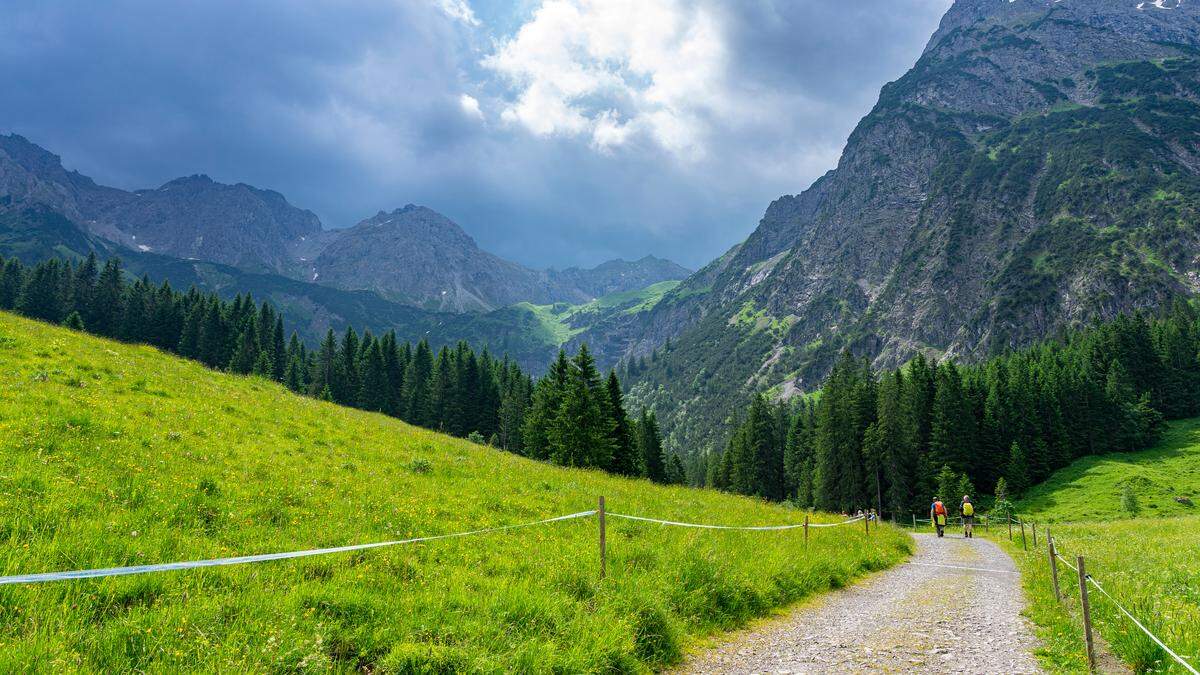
(1010, 528)
(867, 523)
(914, 521)
(1053, 567)
(603, 550)
(1034, 526)
(1024, 546)
(806, 531)
(987, 523)
(1087, 615)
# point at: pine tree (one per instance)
(649, 443)
(580, 433)
(890, 442)
(676, 474)
(83, 287)
(548, 396)
(952, 429)
(625, 460)
(108, 305)
(325, 371)
(41, 298)
(373, 391)
(442, 392)
(347, 390)
(12, 279)
(1016, 476)
(74, 321)
(418, 402)
(245, 353)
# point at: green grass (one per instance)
(560, 322)
(1149, 563)
(113, 455)
(1091, 488)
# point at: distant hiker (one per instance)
(968, 516)
(937, 513)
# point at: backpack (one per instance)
(968, 509)
(939, 509)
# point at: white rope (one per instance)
(217, 562)
(1132, 618)
(1145, 630)
(1065, 562)
(731, 527)
(960, 567)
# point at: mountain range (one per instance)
(411, 269)
(411, 255)
(1037, 168)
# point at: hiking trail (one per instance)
(955, 607)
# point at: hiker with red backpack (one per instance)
(937, 514)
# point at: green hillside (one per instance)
(1147, 562)
(113, 454)
(560, 322)
(1091, 488)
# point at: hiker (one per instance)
(968, 516)
(937, 513)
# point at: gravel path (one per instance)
(923, 616)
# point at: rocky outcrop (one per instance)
(1032, 171)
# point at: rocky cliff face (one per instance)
(418, 256)
(192, 217)
(1035, 169)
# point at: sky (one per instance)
(556, 132)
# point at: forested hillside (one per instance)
(572, 416)
(118, 454)
(897, 439)
(1036, 170)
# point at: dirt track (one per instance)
(929, 615)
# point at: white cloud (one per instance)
(613, 70)
(459, 10)
(470, 106)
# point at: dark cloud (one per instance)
(352, 108)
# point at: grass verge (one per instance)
(1148, 565)
(113, 454)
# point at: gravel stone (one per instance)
(912, 618)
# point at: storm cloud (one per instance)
(556, 132)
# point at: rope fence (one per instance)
(69, 575)
(1085, 578)
(241, 560)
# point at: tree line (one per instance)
(894, 440)
(572, 416)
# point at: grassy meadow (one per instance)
(1149, 563)
(1091, 488)
(117, 455)
(1150, 566)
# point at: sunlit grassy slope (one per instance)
(1091, 488)
(114, 455)
(1148, 563)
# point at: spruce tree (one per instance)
(580, 433)
(74, 321)
(372, 393)
(12, 279)
(649, 443)
(1016, 475)
(418, 402)
(625, 460)
(108, 306)
(548, 396)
